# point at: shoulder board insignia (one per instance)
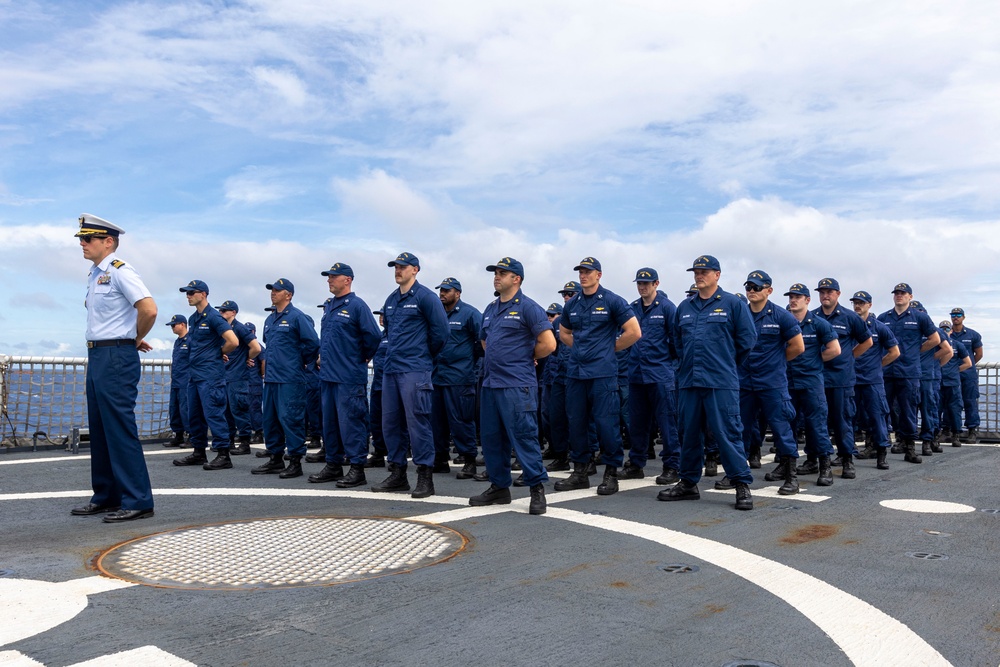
(117, 263)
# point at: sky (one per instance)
(241, 142)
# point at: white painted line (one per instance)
(66, 457)
(926, 506)
(16, 659)
(147, 656)
(267, 493)
(847, 620)
(462, 514)
(772, 492)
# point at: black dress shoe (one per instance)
(128, 515)
(93, 508)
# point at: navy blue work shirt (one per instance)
(766, 367)
(236, 367)
(930, 368)
(972, 342)
(851, 330)
(292, 344)
(911, 328)
(562, 358)
(205, 330)
(595, 321)
(510, 330)
(868, 367)
(456, 365)
(806, 370)
(179, 361)
(950, 375)
(417, 327)
(651, 359)
(378, 362)
(349, 337)
(712, 337)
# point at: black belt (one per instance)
(117, 342)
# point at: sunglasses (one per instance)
(750, 287)
(92, 237)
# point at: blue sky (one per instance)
(239, 142)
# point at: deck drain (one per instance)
(5, 573)
(991, 511)
(750, 663)
(280, 553)
(926, 556)
(936, 533)
(598, 512)
(679, 568)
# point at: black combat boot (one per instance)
(441, 465)
(396, 482)
(275, 465)
(354, 477)
(778, 473)
(316, 457)
(609, 485)
(537, 503)
(897, 446)
(176, 441)
(825, 472)
(375, 461)
(925, 448)
(791, 485)
(293, 469)
(669, 476)
(753, 458)
(491, 496)
(425, 482)
(220, 462)
(973, 436)
(810, 466)
(592, 465)
(468, 470)
(559, 463)
(910, 454)
(195, 458)
(711, 464)
(936, 444)
(847, 463)
(682, 490)
(880, 461)
(956, 441)
(744, 501)
(243, 448)
(632, 471)
(578, 479)
(329, 473)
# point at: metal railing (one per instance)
(45, 399)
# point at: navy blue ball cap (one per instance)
(195, 286)
(451, 283)
(828, 283)
(572, 287)
(798, 288)
(91, 225)
(507, 264)
(902, 287)
(646, 275)
(229, 305)
(759, 278)
(588, 263)
(177, 319)
(554, 309)
(692, 290)
(281, 284)
(706, 262)
(862, 295)
(946, 325)
(405, 259)
(339, 269)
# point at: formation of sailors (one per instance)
(591, 377)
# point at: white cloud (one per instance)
(379, 198)
(256, 185)
(286, 85)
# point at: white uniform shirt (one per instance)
(113, 288)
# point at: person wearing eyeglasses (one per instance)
(839, 376)
(210, 339)
(120, 312)
(973, 342)
(916, 333)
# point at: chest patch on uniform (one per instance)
(104, 279)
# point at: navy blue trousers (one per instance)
(314, 407)
(840, 417)
(951, 408)
(178, 409)
(810, 404)
(375, 420)
(970, 398)
(508, 421)
(406, 406)
(558, 419)
(345, 423)
(595, 400)
(719, 411)
(207, 410)
(903, 395)
(930, 408)
(117, 468)
(873, 412)
(650, 405)
(238, 408)
(256, 392)
(284, 413)
(454, 414)
(773, 406)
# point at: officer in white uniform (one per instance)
(120, 312)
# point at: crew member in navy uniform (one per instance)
(839, 376)
(349, 339)
(902, 377)
(379, 450)
(238, 370)
(869, 388)
(652, 390)
(515, 333)
(120, 312)
(178, 406)
(764, 381)
(713, 333)
(931, 362)
(417, 328)
(558, 418)
(292, 345)
(454, 407)
(255, 386)
(590, 326)
(210, 339)
(951, 386)
(973, 342)
(805, 386)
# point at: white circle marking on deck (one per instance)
(926, 506)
